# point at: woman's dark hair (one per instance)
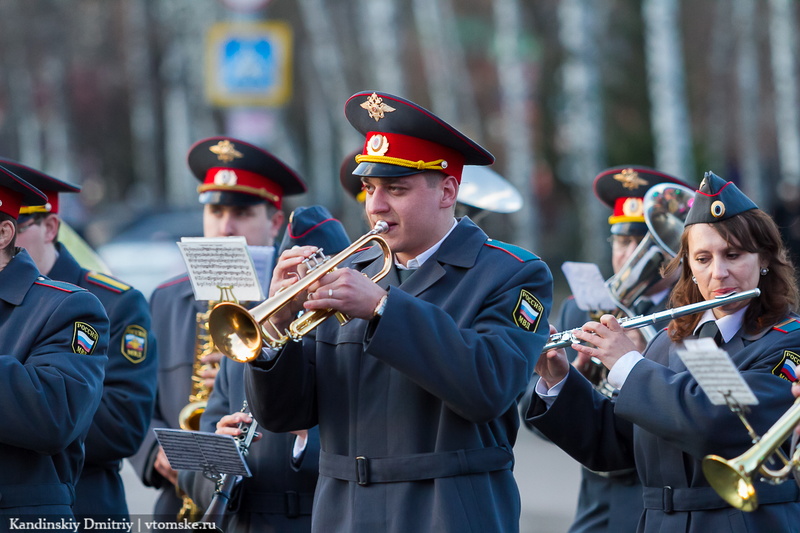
(752, 231)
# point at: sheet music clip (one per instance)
(226, 294)
(740, 410)
(209, 453)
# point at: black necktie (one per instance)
(404, 273)
(642, 306)
(710, 330)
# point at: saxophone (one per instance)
(189, 417)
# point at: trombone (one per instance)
(733, 479)
(567, 338)
(240, 333)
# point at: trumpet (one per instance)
(241, 334)
(567, 338)
(733, 479)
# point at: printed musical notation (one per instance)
(217, 263)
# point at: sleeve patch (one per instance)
(134, 344)
(84, 338)
(787, 368)
(528, 312)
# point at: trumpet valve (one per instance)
(342, 318)
(315, 260)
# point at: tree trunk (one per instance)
(145, 133)
(330, 82)
(580, 121)
(516, 111)
(22, 108)
(782, 33)
(748, 80)
(381, 45)
(669, 112)
(445, 66)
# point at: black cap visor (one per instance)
(230, 198)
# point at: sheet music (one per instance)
(202, 451)
(715, 372)
(214, 263)
(587, 286)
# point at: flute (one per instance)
(563, 339)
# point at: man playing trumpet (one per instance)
(415, 396)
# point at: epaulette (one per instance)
(60, 285)
(173, 282)
(790, 324)
(107, 282)
(520, 254)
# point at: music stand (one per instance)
(201, 451)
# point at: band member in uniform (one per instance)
(242, 188)
(129, 385)
(415, 396)
(611, 502)
(661, 421)
(53, 342)
(279, 495)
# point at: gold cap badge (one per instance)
(630, 179)
(226, 151)
(376, 108)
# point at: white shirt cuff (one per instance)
(619, 372)
(548, 396)
(268, 354)
(299, 447)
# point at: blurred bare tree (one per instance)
(112, 94)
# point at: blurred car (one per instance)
(145, 253)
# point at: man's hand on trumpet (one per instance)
(289, 270)
(347, 291)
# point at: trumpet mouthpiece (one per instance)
(380, 227)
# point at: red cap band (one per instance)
(630, 209)
(10, 202)
(411, 152)
(244, 181)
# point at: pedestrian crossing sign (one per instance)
(249, 63)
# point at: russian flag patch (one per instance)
(84, 338)
(788, 367)
(528, 312)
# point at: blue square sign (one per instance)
(249, 64)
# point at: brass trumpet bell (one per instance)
(241, 334)
(733, 478)
(731, 481)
